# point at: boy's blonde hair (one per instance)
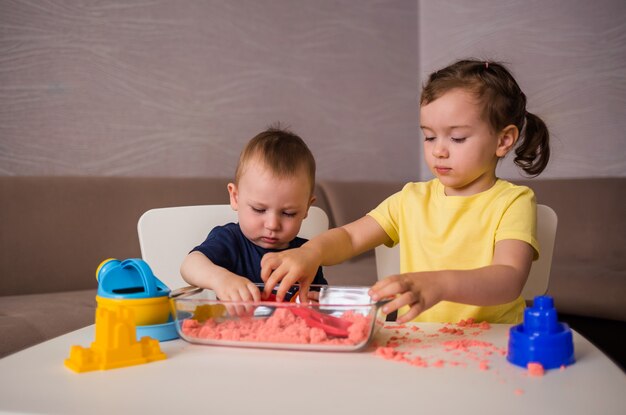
(281, 151)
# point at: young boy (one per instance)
(272, 193)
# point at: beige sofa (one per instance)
(56, 230)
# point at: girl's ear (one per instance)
(506, 140)
(233, 193)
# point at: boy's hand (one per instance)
(418, 290)
(298, 265)
(236, 288)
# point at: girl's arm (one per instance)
(329, 248)
(200, 271)
(498, 283)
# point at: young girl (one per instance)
(467, 238)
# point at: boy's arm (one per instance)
(498, 283)
(200, 271)
(329, 248)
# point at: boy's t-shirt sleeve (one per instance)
(220, 247)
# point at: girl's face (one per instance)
(270, 209)
(460, 148)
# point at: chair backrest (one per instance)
(166, 235)
(388, 259)
(539, 277)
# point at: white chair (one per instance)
(166, 235)
(388, 259)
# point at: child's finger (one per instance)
(285, 284)
(304, 293)
(391, 306)
(381, 283)
(251, 295)
(390, 279)
(256, 297)
(416, 306)
(276, 276)
(240, 308)
(407, 298)
(413, 312)
(232, 304)
(374, 291)
(314, 296)
(268, 264)
(256, 293)
(230, 309)
(388, 287)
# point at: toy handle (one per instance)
(145, 273)
(105, 266)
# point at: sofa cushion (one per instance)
(592, 224)
(588, 275)
(351, 200)
(589, 288)
(26, 320)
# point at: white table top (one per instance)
(222, 380)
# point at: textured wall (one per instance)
(569, 58)
(169, 88)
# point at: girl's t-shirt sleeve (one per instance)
(386, 214)
(519, 220)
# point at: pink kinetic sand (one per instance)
(282, 327)
(535, 369)
(401, 348)
(428, 348)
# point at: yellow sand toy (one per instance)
(115, 344)
(131, 302)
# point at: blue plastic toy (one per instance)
(541, 338)
(128, 279)
(131, 283)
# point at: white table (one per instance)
(221, 380)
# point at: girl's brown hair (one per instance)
(503, 102)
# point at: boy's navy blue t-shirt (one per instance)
(227, 247)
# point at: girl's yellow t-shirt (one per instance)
(439, 232)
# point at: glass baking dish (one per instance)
(343, 319)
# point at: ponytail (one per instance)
(533, 153)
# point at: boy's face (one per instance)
(270, 209)
(460, 148)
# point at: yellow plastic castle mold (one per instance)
(115, 344)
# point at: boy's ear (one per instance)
(307, 208)
(233, 193)
(506, 140)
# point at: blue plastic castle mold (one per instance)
(541, 338)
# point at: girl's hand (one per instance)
(298, 265)
(418, 290)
